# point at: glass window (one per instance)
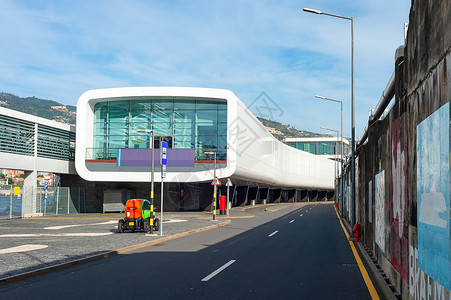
(158, 105)
(118, 129)
(222, 116)
(222, 142)
(161, 116)
(188, 123)
(205, 104)
(133, 127)
(118, 116)
(184, 142)
(101, 114)
(162, 129)
(207, 129)
(207, 116)
(141, 105)
(101, 128)
(183, 116)
(222, 129)
(139, 141)
(222, 105)
(207, 142)
(140, 116)
(119, 105)
(101, 106)
(118, 141)
(183, 129)
(181, 104)
(101, 141)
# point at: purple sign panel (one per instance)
(143, 157)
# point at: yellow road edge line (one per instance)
(366, 278)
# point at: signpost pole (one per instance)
(228, 184)
(164, 161)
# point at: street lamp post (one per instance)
(341, 146)
(335, 161)
(314, 11)
(214, 187)
(151, 146)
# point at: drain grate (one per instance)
(349, 265)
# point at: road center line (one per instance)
(273, 233)
(218, 270)
(291, 221)
(301, 215)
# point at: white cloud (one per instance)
(59, 49)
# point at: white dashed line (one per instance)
(218, 271)
(291, 221)
(273, 233)
(23, 248)
(301, 215)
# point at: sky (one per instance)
(58, 50)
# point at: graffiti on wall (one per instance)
(379, 210)
(433, 196)
(422, 286)
(399, 223)
(370, 201)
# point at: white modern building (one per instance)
(195, 122)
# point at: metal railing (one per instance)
(38, 201)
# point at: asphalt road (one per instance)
(293, 253)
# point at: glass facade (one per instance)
(184, 123)
(320, 148)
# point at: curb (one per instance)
(68, 264)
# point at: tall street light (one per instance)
(151, 146)
(214, 187)
(318, 12)
(335, 161)
(341, 145)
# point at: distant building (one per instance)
(320, 146)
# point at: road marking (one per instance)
(301, 215)
(174, 221)
(25, 235)
(23, 248)
(78, 225)
(291, 221)
(273, 233)
(366, 278)
(218, 270)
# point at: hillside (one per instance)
(53, 110)
(48, 109)
(281, 131)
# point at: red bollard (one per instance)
(356, 231)
(222, 205)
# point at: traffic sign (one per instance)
(164, 148)
(229, 182)
(216, 181)
(46, 185)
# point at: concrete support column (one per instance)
(29, 193)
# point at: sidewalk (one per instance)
(37, 245)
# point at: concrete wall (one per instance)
(403, 175)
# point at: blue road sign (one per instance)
(46, 185)
(164, 149)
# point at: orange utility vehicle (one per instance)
(138, 216)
